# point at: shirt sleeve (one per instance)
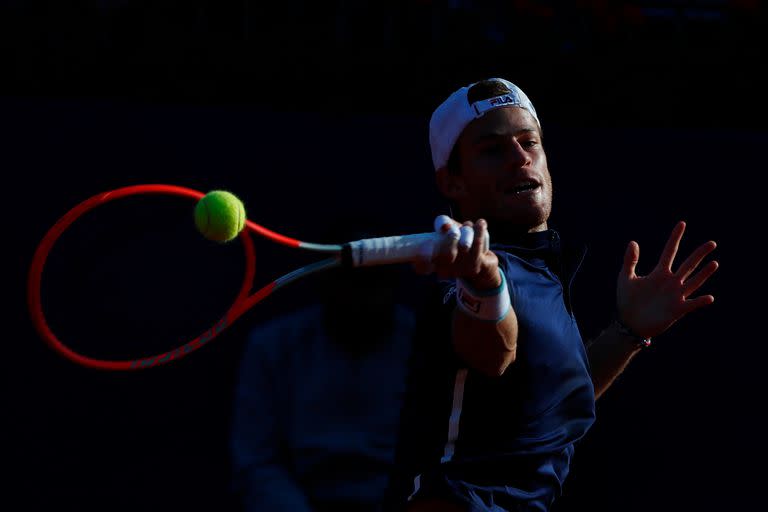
(261, 478)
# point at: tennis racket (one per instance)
(359, 253)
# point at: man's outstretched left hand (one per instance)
(650, 304)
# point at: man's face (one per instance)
(503, 171)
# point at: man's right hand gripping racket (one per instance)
(359, 253)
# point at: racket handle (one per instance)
(390, 249)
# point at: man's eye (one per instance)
(530, 143)
(493, 148)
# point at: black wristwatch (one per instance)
(626, 331)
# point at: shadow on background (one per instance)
(647, 120)
(135, 277)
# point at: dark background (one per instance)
(315, 113)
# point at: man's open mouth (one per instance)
(522, 188)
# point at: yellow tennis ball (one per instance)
(220, 215)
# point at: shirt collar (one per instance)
(545, 249)
(541, 244)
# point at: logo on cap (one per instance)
(502, 100)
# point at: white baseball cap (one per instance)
(455, 113)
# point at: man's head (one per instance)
(487, 150)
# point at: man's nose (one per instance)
(517, 156)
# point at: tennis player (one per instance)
(502, 385)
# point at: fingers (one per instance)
(447, 249)
(479, 245)
(444, 223)
(465, 247)
(631, 257)
(693, 261)
(698, 302)
(461, 251)
(467, 237)
(670, 249)
(700, 278)
(423, 266)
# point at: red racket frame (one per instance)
(242, 303)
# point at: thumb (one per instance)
(631, 257)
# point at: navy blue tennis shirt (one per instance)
(500, 443)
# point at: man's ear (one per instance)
(451, 186)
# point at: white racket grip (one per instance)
(392, 249)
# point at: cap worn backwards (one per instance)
(456, 112)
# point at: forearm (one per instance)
(489, 347)
(609, 354)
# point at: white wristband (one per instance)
(489, 305)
